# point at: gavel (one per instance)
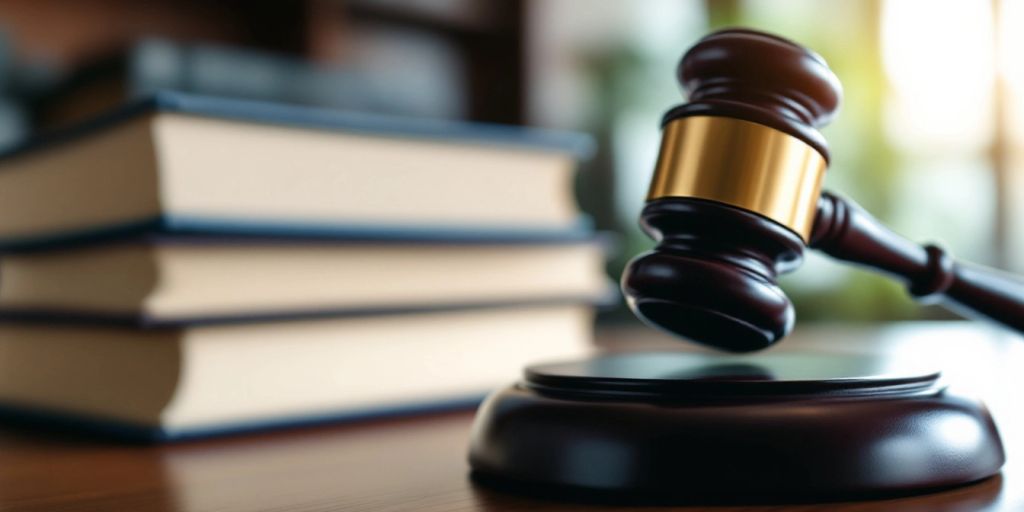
(736, 198)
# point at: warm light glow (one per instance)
(1011, 43)
(1011, 71)
(940, 59)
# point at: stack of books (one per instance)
(187, 266)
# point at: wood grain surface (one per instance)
(419, 463)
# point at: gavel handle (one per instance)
(843, 230)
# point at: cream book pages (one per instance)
(182, 382)
(191, 163)
(178, 280)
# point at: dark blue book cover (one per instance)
(41, 420)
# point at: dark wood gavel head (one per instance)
(733, 199)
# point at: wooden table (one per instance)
(419, 463)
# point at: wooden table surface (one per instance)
(419, 463)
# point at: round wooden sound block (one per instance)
(729, 427)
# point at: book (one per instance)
(180, 383)
(362, 83)
(167, 280)
(182, 163)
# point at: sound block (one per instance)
(787, 426)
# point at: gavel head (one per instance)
(735, 191)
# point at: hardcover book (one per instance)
(178, 383)
(165, 280)
(183, 163)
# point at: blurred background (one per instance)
(929, 139)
